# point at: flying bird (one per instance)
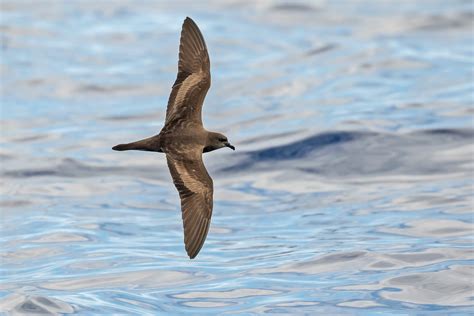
(184, 139)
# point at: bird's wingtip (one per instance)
(188, 20)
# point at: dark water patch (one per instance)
(322, 49)
(14, 203)
(268, 137)
(458, 20)
(71, 168)
(35, 82)
(302, 148)
(30, 138)
(30, 173)
(119, 229)
(451, 133)
(296, 150)
(293, 7)
(339, 154)
(93, 88)
(66, 168)
(136, 117)
(339, 257)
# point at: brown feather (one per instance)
(195, 189)
(193, 79)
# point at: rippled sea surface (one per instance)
(351, 190)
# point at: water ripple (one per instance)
(350, 191)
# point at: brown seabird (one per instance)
(183, 138)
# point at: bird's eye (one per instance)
(222, 139)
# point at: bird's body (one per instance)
(184, 139)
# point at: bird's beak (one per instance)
(230, 146)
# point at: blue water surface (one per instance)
(350, 192)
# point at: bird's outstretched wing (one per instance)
(194, 77)
(195, 190)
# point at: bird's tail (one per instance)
(147, 144)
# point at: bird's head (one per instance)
(216, 141)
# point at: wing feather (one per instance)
(195, 189)
(193, 79)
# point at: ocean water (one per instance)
(350, 192)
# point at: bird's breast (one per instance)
(182, 141)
